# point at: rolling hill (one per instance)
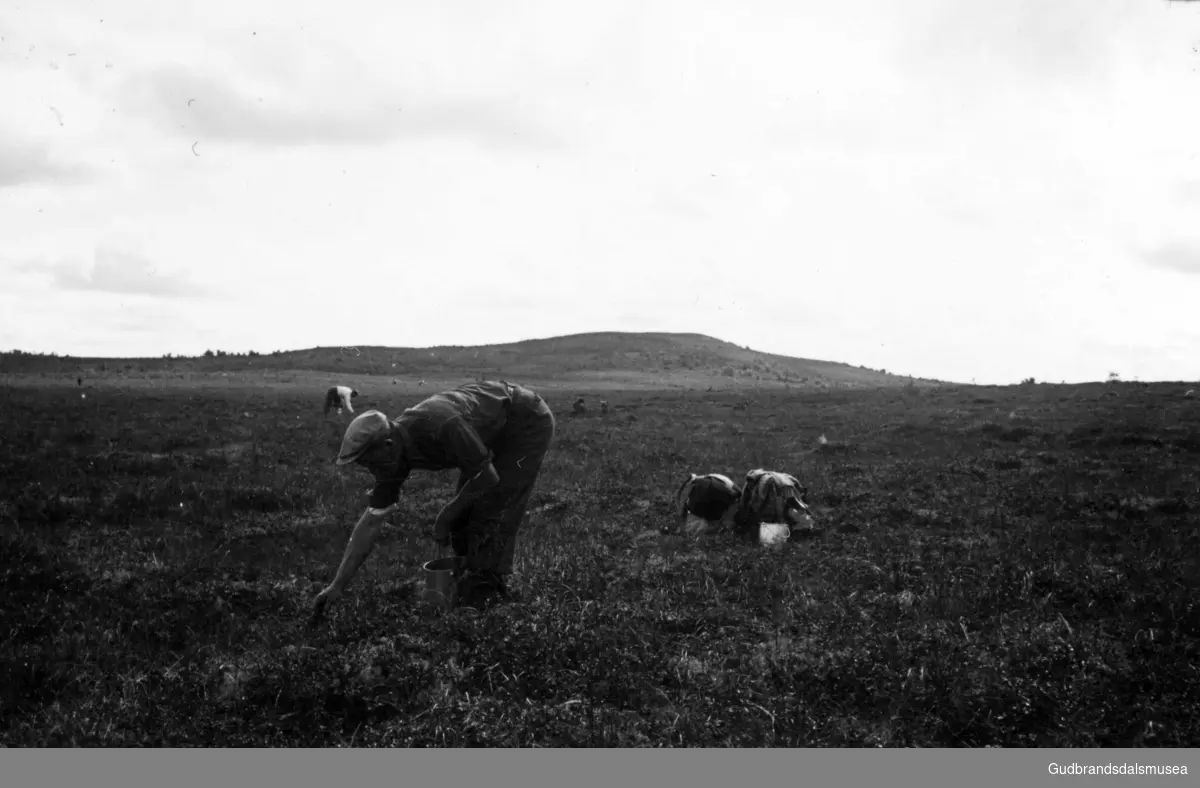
(640, 358)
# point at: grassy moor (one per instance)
(1012, 566)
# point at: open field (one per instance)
(994, 566)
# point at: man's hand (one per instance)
(322, 602)
(361, 542)
(450, 518)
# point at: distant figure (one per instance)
(339, 397)
(420, 383)
(579, 407)
(604, 406)
(79, 382)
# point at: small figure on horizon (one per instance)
(339, 397)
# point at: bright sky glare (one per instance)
(957, 190)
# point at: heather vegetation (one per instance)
(1009, 566)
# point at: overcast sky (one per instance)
(951, 189)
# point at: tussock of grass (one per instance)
(975, 579)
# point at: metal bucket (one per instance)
(441, 580)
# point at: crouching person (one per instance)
(713, 498)
(339, 397)
(496, 434)
(772, 497)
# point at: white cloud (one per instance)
(188, 103)
(1183, 256)
(23, 163)
(115, 271)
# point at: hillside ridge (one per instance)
(683, 358)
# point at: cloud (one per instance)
(206, 107)
(1007, 58)
(1180, 256)
(118, 272)
(83, 323)
(25, 163)
(1189, 190)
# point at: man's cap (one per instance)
(361, 434)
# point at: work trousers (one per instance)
(487, 534)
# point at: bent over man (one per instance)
(496, 434)
(339, 397)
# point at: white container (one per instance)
(770, 534)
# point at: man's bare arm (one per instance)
(362, 540)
